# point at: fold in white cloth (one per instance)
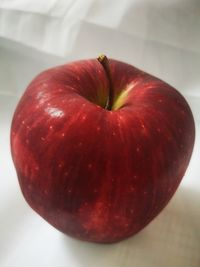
(53, 26)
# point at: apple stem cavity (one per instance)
(103, 60)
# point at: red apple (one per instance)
(100, 147)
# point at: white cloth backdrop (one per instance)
(158, 36)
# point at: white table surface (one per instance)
(170, 240)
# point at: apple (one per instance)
(100, 147)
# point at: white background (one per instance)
(160, 37)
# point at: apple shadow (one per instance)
(14, 216)
(171, 239)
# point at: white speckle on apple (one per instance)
(29, 186)
(66, 174)
(145, 193)
(62, 134)
(54, 112)
(60, 165)
(28, 127)
(169, 138)
(50, 127)
(37, 107)
(126, 225)
(69, 191)
(98, 128)
(135, 177)
(158, 130)
(39, 96)
(27, 141)
(90, 166)
(132, 189)
(117, 217)
(37, 168)
(60, 90)
(169, 189)
(83, 118)
(160, 100)
(83, 105)
(80, 144)
(138, 149)
(44, 84)
(131, 211)
(142, 125)
(95, 190)
(45, 192)
(42, 138)
(23, 122)
(113, 133)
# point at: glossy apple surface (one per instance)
(96, 174)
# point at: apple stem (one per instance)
(105, 63)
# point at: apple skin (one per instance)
(95, 174)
